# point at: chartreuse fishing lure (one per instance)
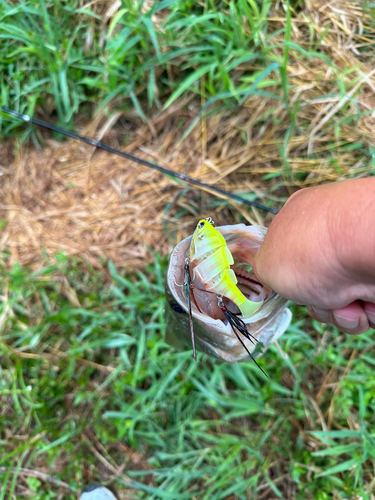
(210, 259)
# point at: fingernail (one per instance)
(371, 317)
(322, 313)
(346, 322)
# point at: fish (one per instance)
(203, 312)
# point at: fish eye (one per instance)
(177, 308)
(201, 224)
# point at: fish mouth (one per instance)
(213, 333)
(249, 285)
(243, 242)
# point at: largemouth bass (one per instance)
(213, 333)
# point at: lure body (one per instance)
(211, 259)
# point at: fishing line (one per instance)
(155, 166)
(187, 282)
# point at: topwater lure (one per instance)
(214, 265)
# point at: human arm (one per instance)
(320, 251)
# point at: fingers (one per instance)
(352, 319)
(322, 315)
(369, 309)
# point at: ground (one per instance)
(89, 390)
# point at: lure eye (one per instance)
(177, 308)
(201, 224)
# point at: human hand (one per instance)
(320, 251)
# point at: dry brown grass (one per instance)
(74, 199)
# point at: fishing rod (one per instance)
(155, 166)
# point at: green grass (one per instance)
(87, 383)
(60, 56)
(62, 60)
(204, 430)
